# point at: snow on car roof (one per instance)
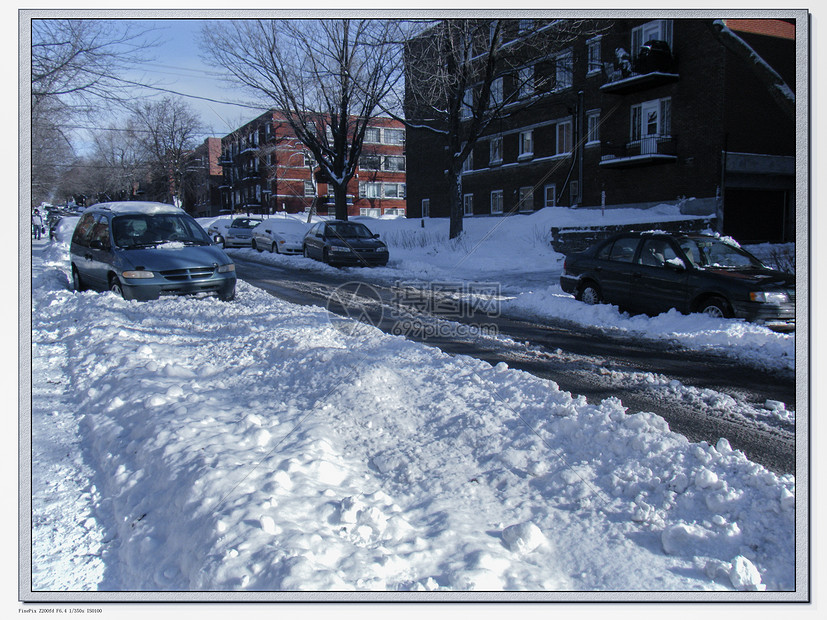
(147, 208)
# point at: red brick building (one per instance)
(266, 169)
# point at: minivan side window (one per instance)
(83, 230)
(101, 232)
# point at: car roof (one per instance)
(137, 207)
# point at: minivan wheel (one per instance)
(715, 307)
(590, 294)
(115, 286)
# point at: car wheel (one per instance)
(254, 246)
(715, 307)
(326, 256)
(275, 248)
(77, 282)
(590, 294)
(115, 286)
(228, 296)
(306, 252)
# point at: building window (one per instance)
(393, 190)
(564, 138)
(594, 58)
(526, 144)
(496, 146)
(526, 199)
(394, 136)
(574, 191)
(309, 190)
(426, 207)
(467, 108)
(497, 201)
(592, 126)
(563, 70)
(496, 98)
(550, 195)
(393, 163)
(370, 189)
(526, 82)
(468, 164)
(370, 162)
(370, 211)
(657, 30)
(373, 135)
(468, 204)
(651, 121)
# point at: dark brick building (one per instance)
(267, 169)
(636, 113)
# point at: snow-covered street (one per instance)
(194, 445)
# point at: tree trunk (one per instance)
(340, 200)
(455, 204)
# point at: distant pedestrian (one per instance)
(37, 224)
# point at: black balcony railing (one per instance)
(646, 150)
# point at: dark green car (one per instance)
(653, 272)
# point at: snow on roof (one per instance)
(147, 208)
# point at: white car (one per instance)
(279, 235)
(218, 228)
(239, 234)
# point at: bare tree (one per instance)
(326, 78)
(167, 132)
(454, 74)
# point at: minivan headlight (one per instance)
(138, 275)
(770, 297)
(226, 268)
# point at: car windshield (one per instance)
(145, 230)
(349, 231)
(714, 253)
(245, 222)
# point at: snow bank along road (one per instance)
(702, 395)
(194, 445)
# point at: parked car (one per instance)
(240, 232)
(653, 272)
(142, 250)
(279, 235)
(344, 243)
(218, 228)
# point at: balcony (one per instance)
(654, 65)
(644, 152)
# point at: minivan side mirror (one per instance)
(97, 244)
(218, 240)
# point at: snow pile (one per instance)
(254, 446)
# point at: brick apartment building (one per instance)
(266, 169)
(678, 116)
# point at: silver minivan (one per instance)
(143, 250)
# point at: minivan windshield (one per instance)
(147, 230)
(714, 253)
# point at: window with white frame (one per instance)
(526, 144)
(594, 56)
(393, 190)
(525, 79)
(426, 207)
(564, 138)
(550, 195)
(373, 135)
(309, 190)
(468, 204)
(393, 136)
(592, 126)
(651, 121)
(496, 149)
(497, 201)
(564, 70)
(467, 108)
(370, 211)
(496, 98)
(526, 199)
(370, 189)
(468, 164)
(370, 162)
(393, 163)
(657, 30)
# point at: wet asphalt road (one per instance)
(720, 397)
